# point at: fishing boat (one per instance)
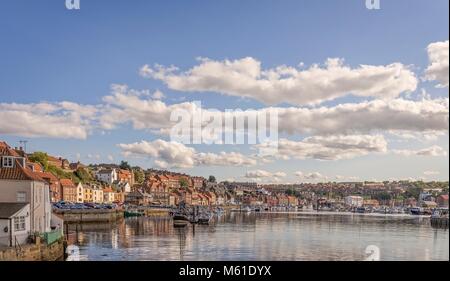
(361, 210)
(416, 211)
(180, 219)
(204, 218)
(132, 213)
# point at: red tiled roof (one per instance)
(67, 182)
(19, 173)
(36, 166)
(6, 150)
(49, 176)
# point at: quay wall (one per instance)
(39, 251)
(439, 222)
(95, 215)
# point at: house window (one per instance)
(21, 196)
(19, 223)
(8, 162)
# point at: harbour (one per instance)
(304, 235)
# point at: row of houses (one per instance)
(92, 193)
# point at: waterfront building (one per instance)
(220, 200)
(119, 197)
(282, 199)
(14, 223)
(354, 201)
(138, 198)
(97, 194)
(80, 193)
(108, 195)
(54, 184)
(292, 201)
(442, 200)
(173, 199)
(158, 190)
(69, 190)
(428, 204)
(371, 203)
(202, 200)
(88, 194)
(19, 184)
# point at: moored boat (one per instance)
(180, 219)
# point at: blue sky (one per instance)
(51, 54)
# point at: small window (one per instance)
(8, 162)
(19, 223)
(21, 196)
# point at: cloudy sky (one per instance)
(360, 94)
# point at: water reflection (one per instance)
(266, 236)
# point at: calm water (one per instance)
(266, 236)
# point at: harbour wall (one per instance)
(94, 215)
(38, 251)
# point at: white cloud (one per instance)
(245, 78)
(427, 116)
(55, 120)
(265, 176)
(431, 173)
(438, 56)
(377, 115)
(434, 150)
(329, 147)
(158, 95)
(110, 158)
(173, 154)
(258, 174)
(127, 105)
(312, 176)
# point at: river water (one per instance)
(266, 236)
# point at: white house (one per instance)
(97, 194)
(354, 201)
(80, 193)
(220, 200)
(107, 175)
(14, 223)
(122, 186)
(19, 184)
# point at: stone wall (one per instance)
(34, 252)
(95, 215)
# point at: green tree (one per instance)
(59, 172)
(83, 175)
(41, 158)
(212, 179)
(184, 183)
(413, 192)
(139, 175)
(124, 165)
(383, 196)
